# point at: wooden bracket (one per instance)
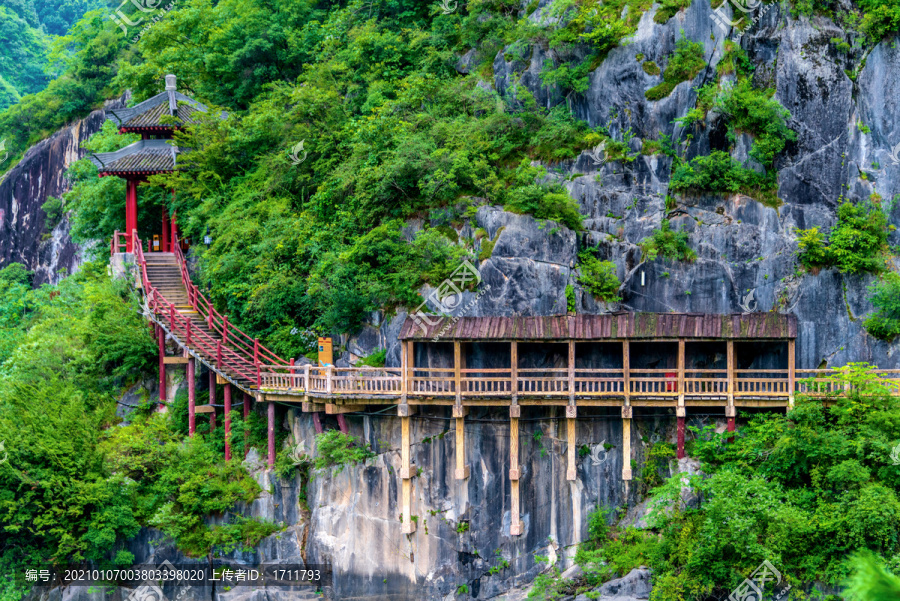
(680, 411)
(404, 410)
(175, 360)
(222, 379)
(730, 411)
(409, 472)
(515, 411)
(571, 411)
(460, 411)
(626, 412)
(204, 409)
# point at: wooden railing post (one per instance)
(329, 372)
(256, 363)
(514, 371)
(730, 412)
(791, 372)
(306, 378)
(457, 376)
(292, 374)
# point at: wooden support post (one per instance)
(681, 372)
(342, 423)
(406, 471)
(192, 417)
(791, 372)
(457, 376)
(514, 371)
(247, 398)
(403, 361)
(130, 213)
(227, 421)
(626, 442)
(212, 400)
(270, 414)
(291, 385)
(329, 373)
(306, 378)
(165, 231)
(462, 469)
(515, 523)
(626, 372)
(317, 421)
(571, 374)
(162, 367)
(680, 435)
(570, 436)
(729, 357)
(731, 414)
(410, 366)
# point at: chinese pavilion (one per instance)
(152, 154)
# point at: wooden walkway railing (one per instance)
(483, 383)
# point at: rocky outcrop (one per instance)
(25, 235)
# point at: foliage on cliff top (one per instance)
(803, 490)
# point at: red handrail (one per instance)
(240, 360)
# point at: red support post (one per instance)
(164, 242)
(212, 400)
(130, 213)
(271, 415)
(342, 423)
(162, 365)
(317, 422)
(192, 417)
(246, 427)
(680, 434)
(227, 421)
(731, 428)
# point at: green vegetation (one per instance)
(684, 65)
(570, 298)
(856, 244)
(668, 8)
(804, 491)
(668, 244)
(650, 68)
(375, 359)
(598, 277)
(338, 449)
(884, 323)
(716, 172)
(72, 484)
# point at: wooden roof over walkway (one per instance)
(599, 327)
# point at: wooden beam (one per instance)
(681, 372)
(571, 366)
(462, 469)
(221, 379)
(406, 471)
(515, 523)
(457, 376)
(626, 371)
(570, 436)
(729, 357)
(514, 371)
(312, 407)
(626, 443)
(791, 371)
(205, 409)
(175, 360)
(333, 409)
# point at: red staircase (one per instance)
(189, 317)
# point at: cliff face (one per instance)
(24, 233)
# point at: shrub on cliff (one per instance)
(856, 244)
(684, 65)
(598, 277)
(668, 244)
(338, 449)
(884, 323)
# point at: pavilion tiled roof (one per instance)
(600, 327)
(144, 157)
(147, 115)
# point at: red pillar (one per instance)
(271, 414)
(731, 428)
(174, 237)
(680, 428)
(212, 399)
(192, 417)
(246, 427)
(165, 231)
(162, 366)
(227, 421)
(317, 422)
(130, 212)
(342, 423)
